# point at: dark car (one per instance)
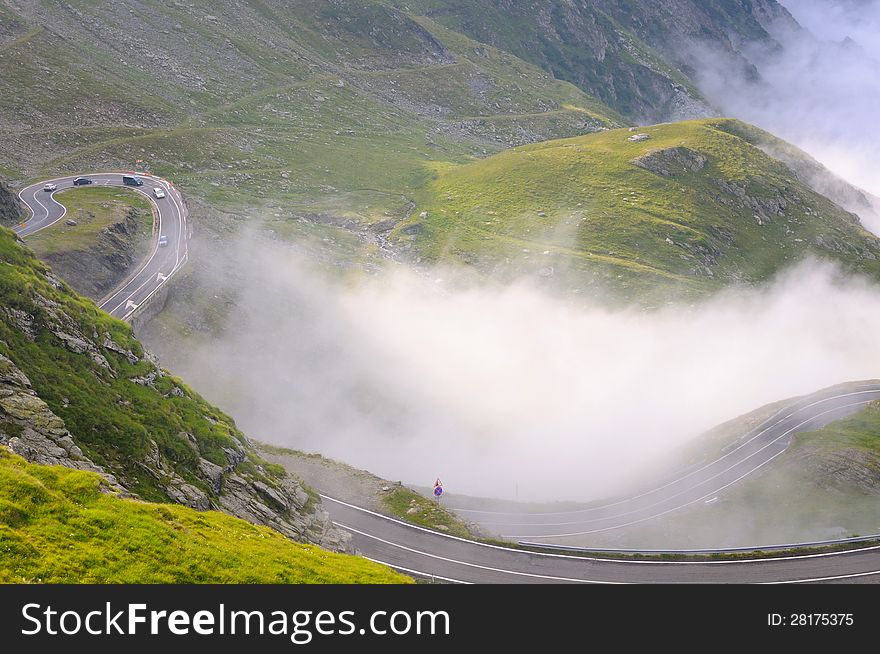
(132, 180)
(82, 181)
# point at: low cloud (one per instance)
(500, 389)
(821, 90)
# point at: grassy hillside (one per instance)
(856, 438)
(57, 526)
(690, 209)
(113, 418)
(72, 377)
(111, 234)
(328, 108)
(320, 122)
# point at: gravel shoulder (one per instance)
(366, 490)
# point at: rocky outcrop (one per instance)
(285, 507)
(30, 429)
(248, 492)
(839, 470)
(11, 209)
(671, 162)
(764, 208)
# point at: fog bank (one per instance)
(502, 390)
(822, 89)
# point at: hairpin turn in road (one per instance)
(163, 262)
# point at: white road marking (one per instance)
(418, 572)
(817, 579)
(475, 565)
(764, 559)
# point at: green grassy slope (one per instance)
(56, 526)
(267, 103)
(689, 210)
(94, 210)
(112, 398)
(857, 436)
(113, 418)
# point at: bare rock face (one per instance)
(253, 495)
(283, 507)
(114, 253)
(242, 488)
(671, 162)
(11, 208)
(30, 428)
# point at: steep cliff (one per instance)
(10, 206)
(77, 389)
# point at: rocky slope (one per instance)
(106, 234)
(811, 172)
(635, 56)
(31, 430)
(11, 209)
(77, 389)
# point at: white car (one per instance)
(159, 193)
(50, 187)
(163, 241)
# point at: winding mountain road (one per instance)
(443, 557)
(162, 263)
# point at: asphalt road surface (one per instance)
(162, 263)
(436, 555)
(446, 558)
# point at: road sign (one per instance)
(438, 488)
